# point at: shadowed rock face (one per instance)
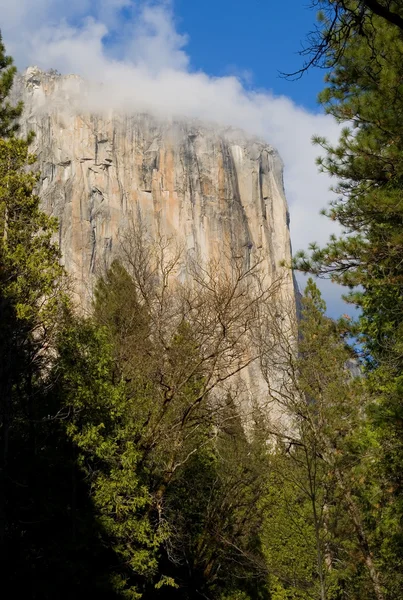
(209, 186)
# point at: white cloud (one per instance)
(155, 43)
(135, 49)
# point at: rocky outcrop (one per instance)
(208, 186)
(217, 191)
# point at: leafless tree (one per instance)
(204, 330)
(342, 19)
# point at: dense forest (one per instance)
(128, 466)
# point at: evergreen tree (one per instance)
(30, 297)
(325, 491)
(288, 536)
(214, 506)
(364, 90)
(9, 113)
(105, 427)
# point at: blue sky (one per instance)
(255, 39)
(214, 60)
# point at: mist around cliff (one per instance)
(134, 50)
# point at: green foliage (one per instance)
(30, 273)
(32, 449)
(103, 426)
(8, 113)
(318, 538)
(289, 535)
(364, 90)
(213, 506)
(171, 478)
(29, 258)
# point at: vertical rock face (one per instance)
(209, 187)
(217, 191)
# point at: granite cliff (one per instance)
(218, 191)
(208, 186)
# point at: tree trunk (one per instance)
(318, 527)
(361, 536)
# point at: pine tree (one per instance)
(214, 506)
(30, 296)
(105, 426)
(329, 451)
(363, 88)
(364, 91)
(9, 113)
